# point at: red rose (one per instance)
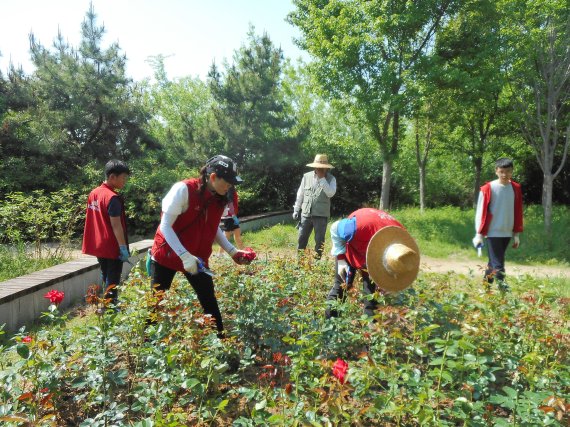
(340, 369)
(249, 254)
(55, 297)
(27, 339)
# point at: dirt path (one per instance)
(444, 265)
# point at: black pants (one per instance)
(496, 246)
(338, 291)
(202, 283)
(111, 270)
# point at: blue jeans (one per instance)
(496, 246)
(308, 223)
(111, 270)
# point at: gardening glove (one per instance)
(296, 215)
(478, 241)
(342, 267)
(124, 254)
(236, 220)
(243, 257)
(189, 262)
(516, 241)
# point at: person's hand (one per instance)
(244, 257)
(341, 268)
(478, 241)
(296, 215)
(124, 254)
(516, 241)
(236, 220)
(190, 262)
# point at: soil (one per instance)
(470, 267)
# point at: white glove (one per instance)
(341, 267)
(517, 241)
(189, 262)
(296, 215)
(478, 240)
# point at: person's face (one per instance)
(118, 181)
(321, 172)
(504, 174)
(219, 185)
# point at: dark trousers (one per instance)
(308, 223)
(338, 291)
(161, 280)
(111, 270)
(496, 246)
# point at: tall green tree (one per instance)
(538, 40)
(469, 65)
(257, 127)
(86, 107)
(364, 53)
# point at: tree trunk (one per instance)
(478, 162)
(547, 184)
(422, 186)
(386, 182)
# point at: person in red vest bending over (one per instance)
(374, 242)
(499, 217)
(105, 232)
(189, 226)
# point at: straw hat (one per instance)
(321, 161)
(392, 259)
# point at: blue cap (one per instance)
(346, 228)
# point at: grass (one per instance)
(18, 261)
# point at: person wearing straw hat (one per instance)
(374, 242)
(313, 203)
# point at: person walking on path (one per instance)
(230, 221)
(374, 242)
(105, 231)
(191, 213)
(313, 203)
(499, 218)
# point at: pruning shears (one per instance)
(203, 269)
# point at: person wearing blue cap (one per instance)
(374, 242)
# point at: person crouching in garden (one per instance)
(374, 242)
(105, 232)
(191, 213)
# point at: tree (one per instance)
(364, 52)
(540, 79)
(86, 108)
(469, 67)
(257, 127)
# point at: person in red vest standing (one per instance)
(105, 232)
(189, 226)
(499, 217)
(374, 242)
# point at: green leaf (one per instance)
(23, 351)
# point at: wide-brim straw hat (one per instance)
(321, 161)
(392, 259)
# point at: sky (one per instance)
(190, 33)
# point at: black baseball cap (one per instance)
(225, 168)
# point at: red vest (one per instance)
(98, 237)
(486, 216)
(196, 228)
(368, 222)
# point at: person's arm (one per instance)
(174, 203)
(118, 231)
(478, 239)
(299, 199)
(328, 188)
(224, 243)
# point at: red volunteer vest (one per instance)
(98, 237)
(368, 222)
(196, 228)
(486, 216)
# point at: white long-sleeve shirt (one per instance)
(174, 204)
